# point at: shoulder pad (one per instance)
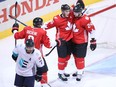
(37, 52)
(56, 17)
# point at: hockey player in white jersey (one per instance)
(26, 57)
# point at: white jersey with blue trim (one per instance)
(25, 63)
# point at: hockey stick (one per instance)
(46, 83)
(50, 50)
(17, 20)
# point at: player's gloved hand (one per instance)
(60, 41)
(15, 27)
(93, 44)
(38, 78)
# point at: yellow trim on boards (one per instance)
(46, 18)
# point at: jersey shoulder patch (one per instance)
(56, 17)
(87, 18)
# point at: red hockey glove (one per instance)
(93, 44)
(15, 27)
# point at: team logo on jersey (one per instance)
(69, 26)
(23, 63)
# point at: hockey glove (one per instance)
(15, 27)
(38, 78)
(93, 44)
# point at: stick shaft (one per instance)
(17, 20)
(51, 50)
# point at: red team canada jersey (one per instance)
(81, 28)
(37, 34)
(63, 27)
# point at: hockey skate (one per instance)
(66, 75)
(79, 77)
(74, 74)
(62, 77)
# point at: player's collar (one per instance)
(31, 52)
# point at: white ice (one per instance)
(100, 68)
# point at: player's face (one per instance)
(77, 14)
(29, 50)
(66, 13)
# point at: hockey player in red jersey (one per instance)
(63, 24)
(82, 26)
(39, 35)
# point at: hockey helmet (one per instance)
(29, 43)
(78, 8)
(65, 7)
(29, 46)
(81, 3)
(37, 21)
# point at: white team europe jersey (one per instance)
(25, 63)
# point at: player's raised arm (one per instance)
(18, 35)
(46, 40)
(49, 25)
